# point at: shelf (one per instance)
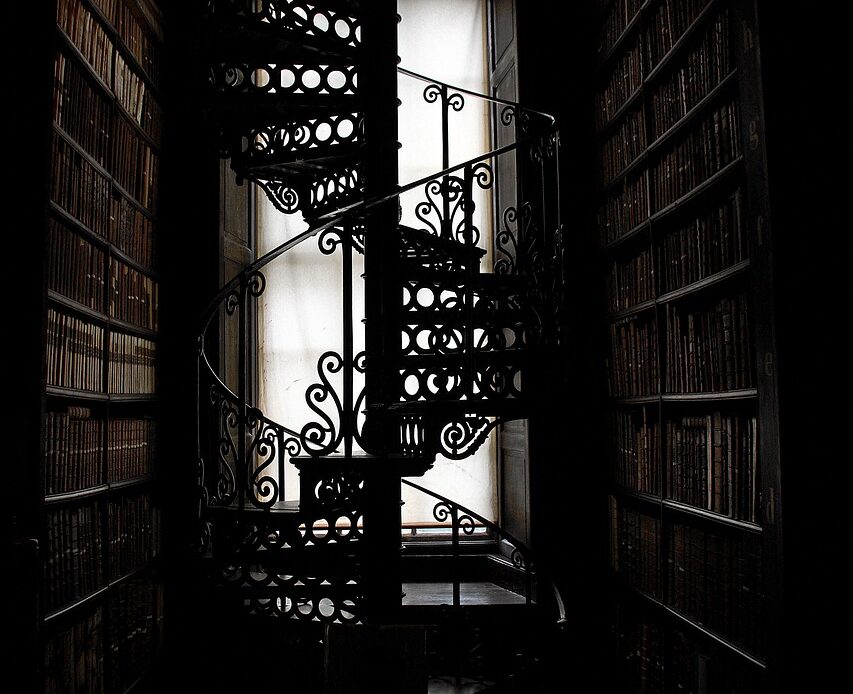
(91, 492)
(93, 74)
(132, 397)
(705, 282)
(100, 241)
(122, 326)
(704, 186)
(683, 40)
(707, 633)
(92, 597)
(72, 393)
(635, 164)
(636, 400)
(119, 44)
(639, 496)
(76, 604)
(727, 83)
(622, 110)
(631, 310)
(103, 171)
(626, 237)
(138, 127)
(740, 394)
(107, 89)
(687, 509)
(694, 626)
(138, 330)
(62, 392)
(609, 54)
(72, 305)
(98, 491)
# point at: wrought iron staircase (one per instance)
(448, 349)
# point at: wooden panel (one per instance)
(503, 28)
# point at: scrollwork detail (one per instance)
(323, 436)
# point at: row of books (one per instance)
(132, 231)
(715, 579)
(619, 15)
(635, 547)
(136, 98)
(73, 566)
(709, 349)
(631, 281)
(131, 446)
(75, 268)
(72, 450)
(135, 610)
(693, 669)
(79, 188)
(74, 352)
(135, 164)
(74, 657)
(714, 241)
(131, 533)
(74, 563)
(74, 443)
(666, 25)
(87, 34)
(81, 110)
(703, 69)
(639, 650)
(145, 48)
(624, 80)
(707, 148)
(132, 362)
(134, 297)
(624, 209)
(623, 146)
(85, 193)
(637, 438)
(712, 461)
(633, 364)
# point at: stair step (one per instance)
(460, 358)
(471, 594)
(508, 408)
(243, 38)
(250, 110)
(477, 317)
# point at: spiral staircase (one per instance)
(302, 96)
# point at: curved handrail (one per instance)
(335, 217)
(484, 97)
(515, 542)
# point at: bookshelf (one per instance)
(682, 187)
(100, 595)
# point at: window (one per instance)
(304, 286)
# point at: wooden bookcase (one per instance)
(99, 598)
(693, 408)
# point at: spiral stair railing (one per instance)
(303, 560)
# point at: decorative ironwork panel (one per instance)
(306, 19)
(289, 140)
(284, 79)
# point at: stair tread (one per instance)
(471, 593)
(253, 40)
